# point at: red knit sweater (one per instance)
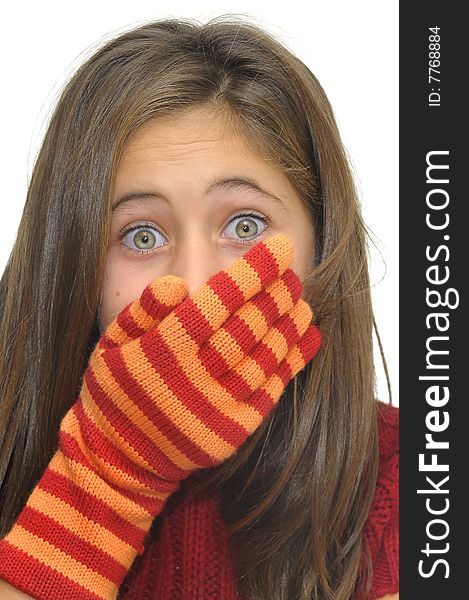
(188, 558)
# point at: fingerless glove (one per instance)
(175, 384)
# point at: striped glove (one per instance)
(174, 385)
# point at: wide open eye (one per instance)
(245, 227)
(143, 238)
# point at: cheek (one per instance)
(303, 258)
(120, 287)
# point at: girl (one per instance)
(167, 433)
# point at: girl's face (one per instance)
(189, 199)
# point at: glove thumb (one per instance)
(157, 300)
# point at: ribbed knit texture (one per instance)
(176, 384)
(382, 531)
(187, 555)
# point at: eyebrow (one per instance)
(223, 184)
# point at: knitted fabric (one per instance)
(187, 556)
(382, 530)
(175, 384)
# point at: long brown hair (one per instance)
(297, 494)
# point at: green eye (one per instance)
(245, 227)
(142, 239)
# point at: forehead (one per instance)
(196, 146)
(187, 132)
(183, 157)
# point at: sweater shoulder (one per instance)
(382, 527)
(384, 508)
(388, 430)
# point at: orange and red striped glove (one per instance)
(175, 384)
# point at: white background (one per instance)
(352, 47)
